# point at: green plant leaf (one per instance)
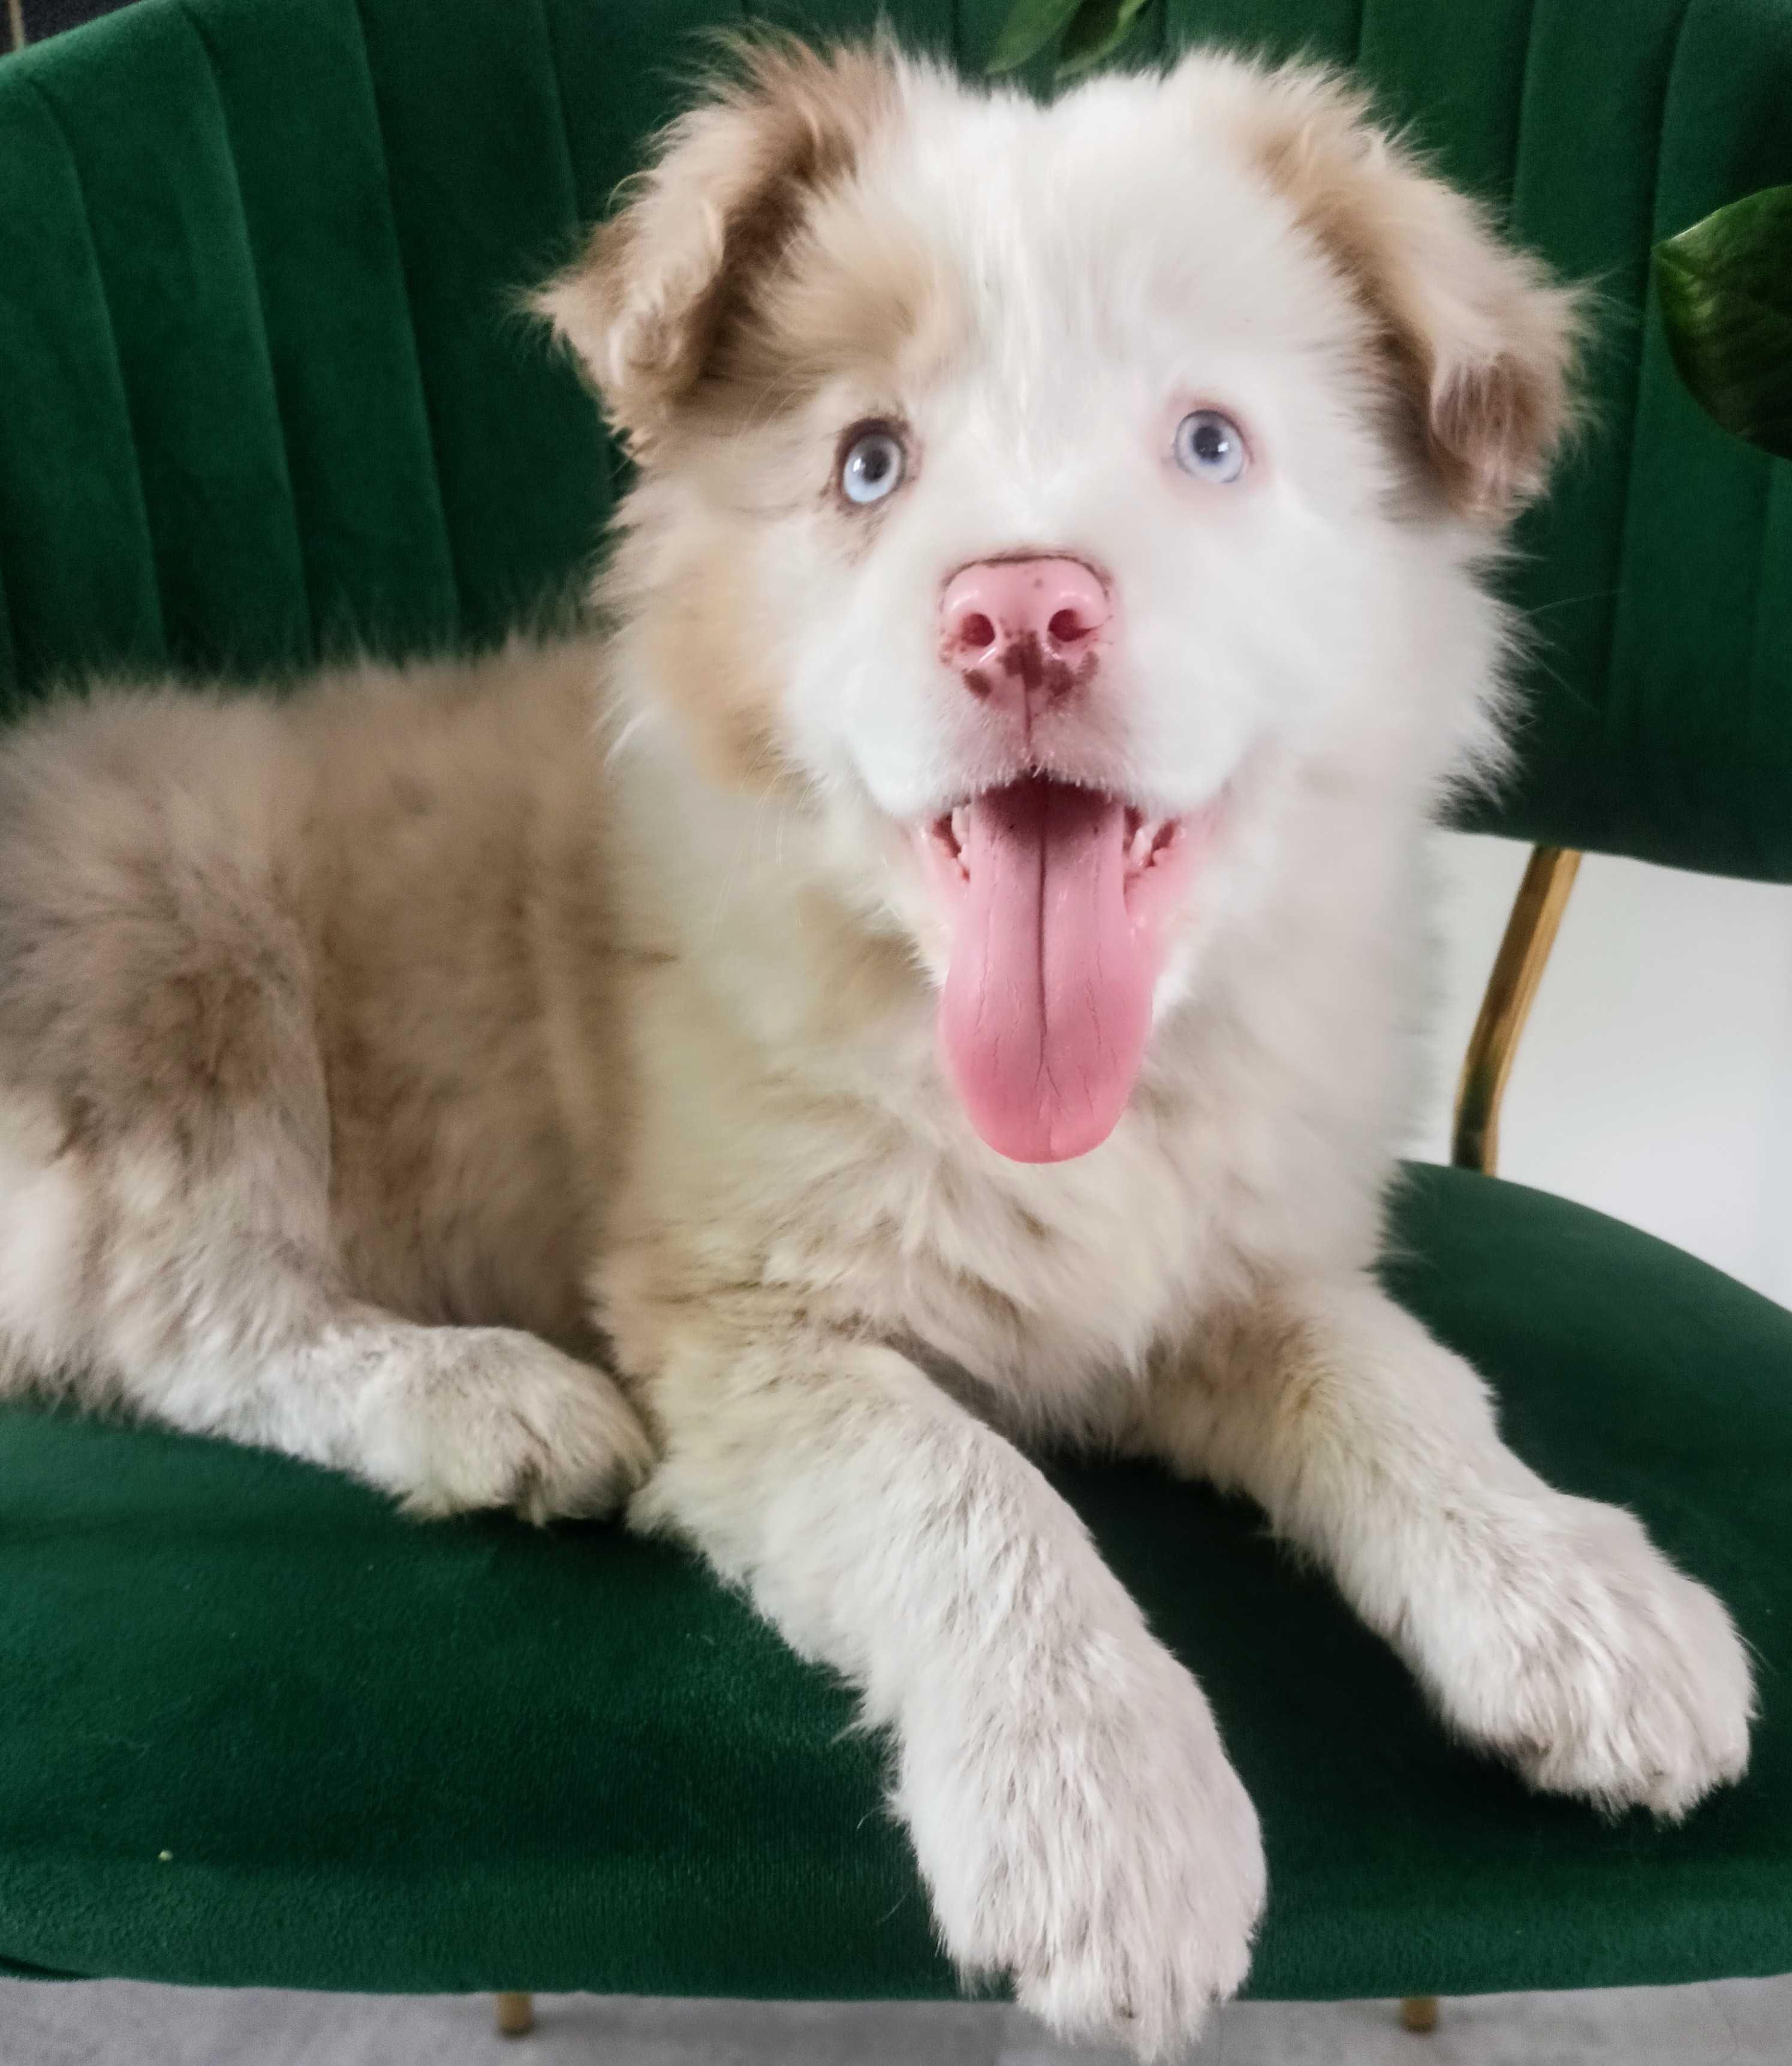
(1031, 25)
(1095, 32)
(1725, 286)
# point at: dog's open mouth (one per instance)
(1057, 897)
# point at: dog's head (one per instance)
(1019, 483)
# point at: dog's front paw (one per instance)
(1596, 1667)
(464, 1418)
(1089, 1841)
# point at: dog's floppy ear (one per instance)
(1480, 338)
(649, 303)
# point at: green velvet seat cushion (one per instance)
(260, 1730)
(264, 391)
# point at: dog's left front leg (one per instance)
(1072, 1810)
(1548, 1629)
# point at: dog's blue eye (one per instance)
(873, 467)
(1210, 446)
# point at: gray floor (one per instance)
(1741, 2023)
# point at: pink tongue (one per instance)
(1047, 1000)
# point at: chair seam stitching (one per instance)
(357, 9)
(560, 107)
(204, 43)
(1771, 484)
(575, 213)
(56, 122)
(1518, 123)
(1632, 426)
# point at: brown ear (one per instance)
(1480, 338)
(650, 302)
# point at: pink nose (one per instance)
(1024, 633)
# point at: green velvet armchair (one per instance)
(264, 394)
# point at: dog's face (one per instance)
(1020, 484)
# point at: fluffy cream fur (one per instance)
(516, 1081)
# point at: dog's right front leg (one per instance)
(1074, 1814)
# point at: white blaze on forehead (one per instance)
(1124, 224)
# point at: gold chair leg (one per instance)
(516, 2015)
(1511, 989)
(1517, 969)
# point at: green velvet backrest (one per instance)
(265, 393)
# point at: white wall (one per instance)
(1655, 1079)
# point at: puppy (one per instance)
(933, 975)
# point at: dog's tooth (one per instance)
(961, 824)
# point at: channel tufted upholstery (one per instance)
(267, 393)
(264, 393)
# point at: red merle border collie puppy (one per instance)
(930, 976)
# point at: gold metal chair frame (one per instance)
(1511, 989)
(1524, 951)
